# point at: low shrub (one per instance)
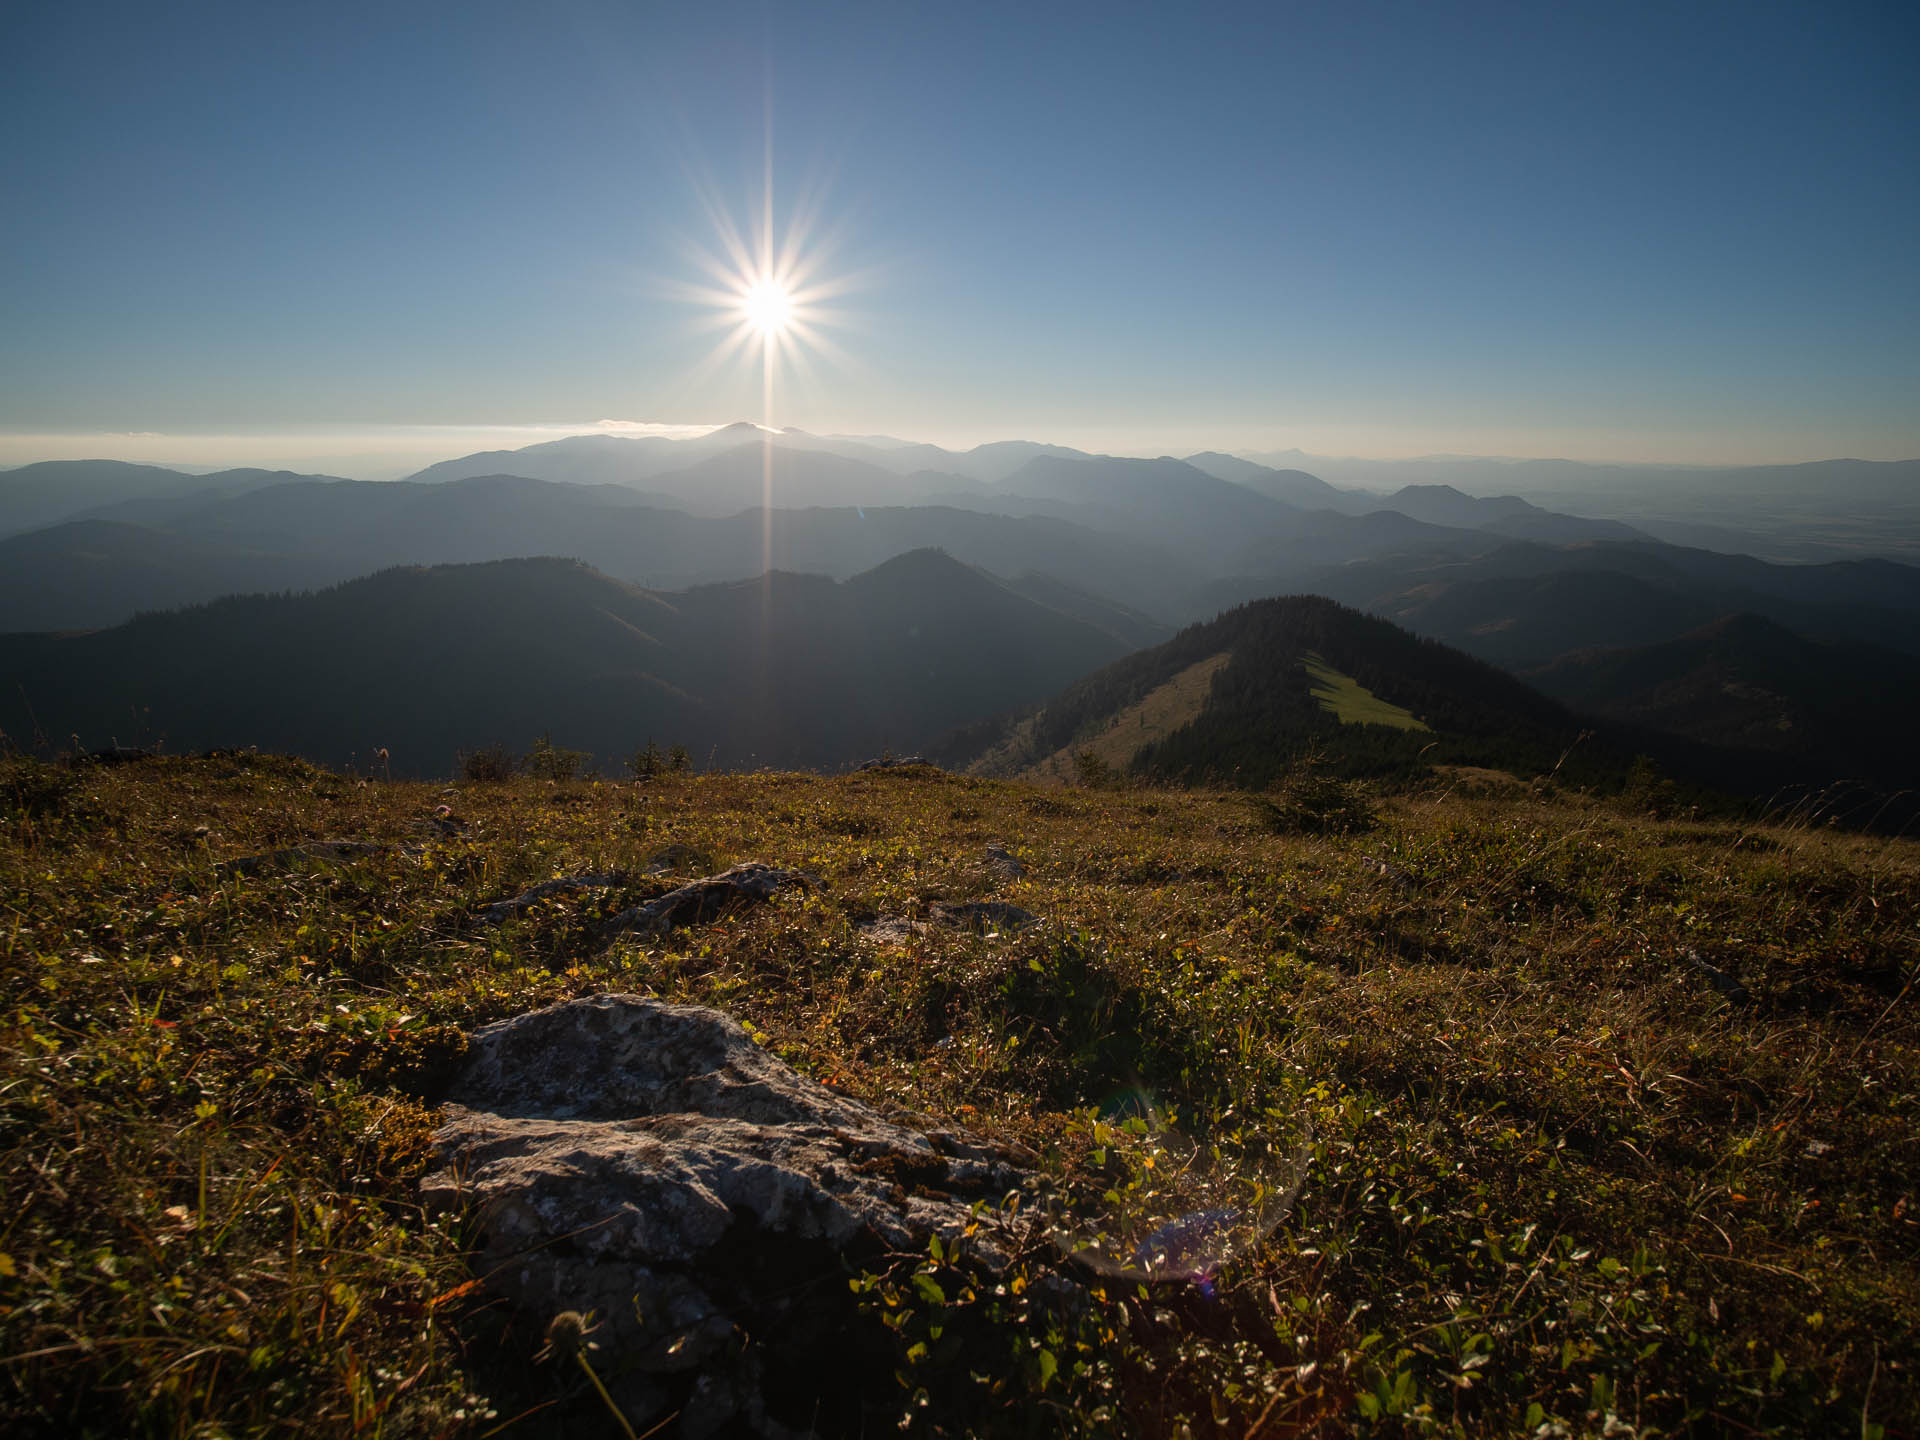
(487, 765)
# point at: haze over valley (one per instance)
(1119, 551)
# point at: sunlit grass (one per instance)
(1555, 1174)
(1351, 702)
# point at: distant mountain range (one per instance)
(1619, 624)
(626, 460)
(99, 571)
(33, 496)
(787, 670)
(1821, 510)
(1164, 537)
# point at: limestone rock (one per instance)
(1004, 863)
(705, 899)
(651, 1163)
(893, 930)
(500, 911)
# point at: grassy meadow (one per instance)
(1610, 1125)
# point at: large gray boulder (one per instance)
(651, 1163)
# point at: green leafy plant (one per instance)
(1312, 800)
(1092, 770)
(547, 761)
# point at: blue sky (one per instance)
(1607, 231)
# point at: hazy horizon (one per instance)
(395, 452)
(295, 237)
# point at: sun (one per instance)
(769, 290)
(768, 307)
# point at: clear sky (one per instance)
(1685, 231)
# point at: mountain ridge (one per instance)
(785, 670)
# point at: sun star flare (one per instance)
(768, 307)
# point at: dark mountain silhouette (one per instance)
(1130, 627)
(1741, 707)
(34, 496)
(1517, 620)
(1315, 540)
(1160, 537)
(1551, 527)
(1522, 604)
(1747, 683)
(787, 670)
(88, 573)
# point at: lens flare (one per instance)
(768, 290)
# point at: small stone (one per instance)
(1004, 863)
(983, 915)
(705, 899)
(501, 911)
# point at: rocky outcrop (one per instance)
(652, 1164)
(501, 911)
(704, 899)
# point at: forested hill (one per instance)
(1259, 709)
(786, 670)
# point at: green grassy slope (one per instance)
(1351, 703)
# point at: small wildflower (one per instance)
(567, 1335)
